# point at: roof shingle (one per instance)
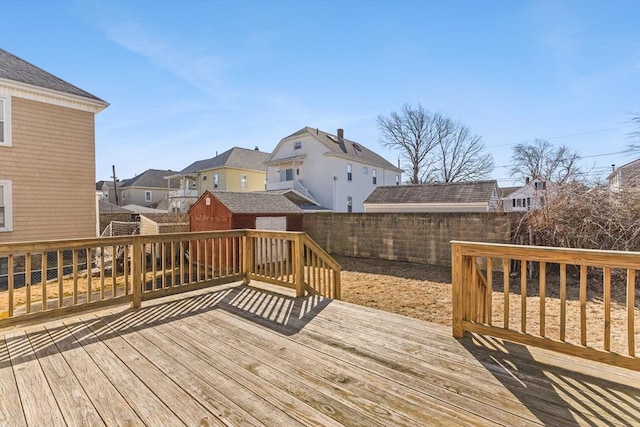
(236, 157)
(459, 192)
(256, 203)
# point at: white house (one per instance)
(328, 170)
(625, 177)
(478, 196)
(528, 197)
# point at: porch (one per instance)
(234, 354)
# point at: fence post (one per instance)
(299, 265)
(457, 288)
(136, 271)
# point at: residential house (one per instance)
(106, 191)
(530, 196)
(149, 189)
(47, 154)
(237, 169)
(328, 170)
(626, 177)
(480, 196)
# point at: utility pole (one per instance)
(115, 183)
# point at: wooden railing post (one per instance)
(247, 255)
(457, 282)
(298, 264)
(136, 269)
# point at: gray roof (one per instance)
(236, 157)
(256, 203)
(151, 178)
(632, 166)
(345, 148)
(106, 207)
(19, 70)
(459, 192)
(505, 191)
(167, 217)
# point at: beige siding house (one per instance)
(626, 177)
(47, 155)
(149, 189)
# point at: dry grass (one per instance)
(424, 292)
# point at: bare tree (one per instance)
(411, 133)
(541, 159)
(434, 146)
(461, 156)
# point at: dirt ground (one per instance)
(424, 292)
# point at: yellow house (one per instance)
(237, 169)
(47, 155)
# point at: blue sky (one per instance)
(187, 79)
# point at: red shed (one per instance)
(227, 210)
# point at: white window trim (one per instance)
(8, 142)
(243, 180)
(150, 198)
(8, 205)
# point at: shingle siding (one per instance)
(52, 167)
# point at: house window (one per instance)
(349, 204)
(397, 179)
(513, 202)
(374, 173)
(5, 206)
(365, 170)
(528, 201)
(147, 196)
(243, 181)
(286, 175)
(349, 174)
(215, 180)
(5, 121)
(297, 145)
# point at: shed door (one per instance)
(271, 250)
(273, 223)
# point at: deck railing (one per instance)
(563, 302)
(50, 278)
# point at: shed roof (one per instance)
(18, 70)
(345, 148)
(236, 157)
(255, 203)
(151, 178)
(459, 192)
(106, 207)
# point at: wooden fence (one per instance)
(50, 278)
(564, 301)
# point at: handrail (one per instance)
(47, 278)
(529, 322)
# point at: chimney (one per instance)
(340, 133)
(526, 181)
(256, 149)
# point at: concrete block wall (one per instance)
(413, 237)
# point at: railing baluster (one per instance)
(60, 284)
(11, 280)
(88, 258)
(606, 290)
(543, 296)
(27, 280)
(488, 307)
(523, 295)
(102, 275)
(505, 286)
(43, 275)
(631, 286)
(583, 304)
(563, 302)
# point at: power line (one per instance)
(559, 137)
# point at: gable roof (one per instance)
(633, 165)
(18, 70)
(345, 148)
(459, 192)
(151, 178)
(253, 202)
(106, 207)
(236, 157)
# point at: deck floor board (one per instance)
(238, 355)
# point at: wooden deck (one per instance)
(237, 355)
